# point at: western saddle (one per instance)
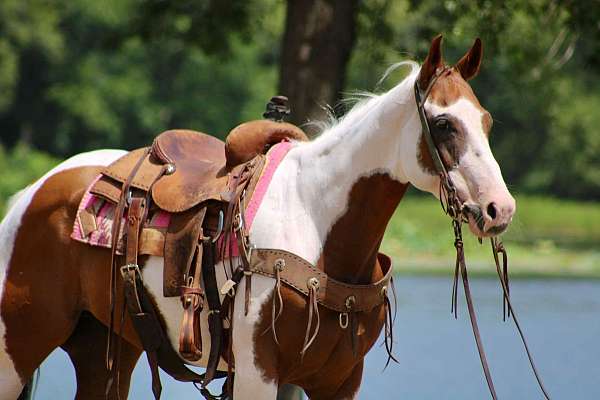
(204, 184)
(198, 179)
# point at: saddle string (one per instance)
(277, 300)
(389, 321)
(313, 310)
(388, 332)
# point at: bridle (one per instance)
(453, 207)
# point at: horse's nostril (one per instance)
(491, 210)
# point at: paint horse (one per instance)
(328, 202)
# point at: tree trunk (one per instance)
(317, 43)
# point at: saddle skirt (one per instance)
(94, 221)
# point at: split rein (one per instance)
(458, 213)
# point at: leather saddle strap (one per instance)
(135, 216)
(333, 294)
(131, 301)
(142, 313)
(215, 323)
(146, 323)
(192, 299)
(115, 229)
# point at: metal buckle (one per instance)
(125, 269)
(238, 222)
(344, 320)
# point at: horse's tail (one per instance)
(28, 392)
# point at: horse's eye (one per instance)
(442, 124)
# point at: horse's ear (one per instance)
(468, 66)
(433, 61)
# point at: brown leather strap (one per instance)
(192, 299)
(181, 241)
(473, 317)
(132, 300)
(147, 325)
(215, 323)
(134, 223)
(498, 248)
(332, 294)
(116, 229)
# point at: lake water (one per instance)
(437, 354)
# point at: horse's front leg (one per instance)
(251, 381)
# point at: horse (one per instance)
(329, 202)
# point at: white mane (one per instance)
(365, 101)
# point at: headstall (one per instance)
(453, 207)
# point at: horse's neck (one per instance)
(332, 198)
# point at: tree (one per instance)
(316, 47)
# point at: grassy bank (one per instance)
(548, 238)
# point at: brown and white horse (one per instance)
(329, 202)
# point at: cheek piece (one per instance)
(453, 207)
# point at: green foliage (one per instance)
(572, 162)
(116, 73)
(20, 167)
(81, 74)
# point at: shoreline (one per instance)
(489, 272)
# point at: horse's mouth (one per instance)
(476, 222)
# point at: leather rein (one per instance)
(453, 207)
